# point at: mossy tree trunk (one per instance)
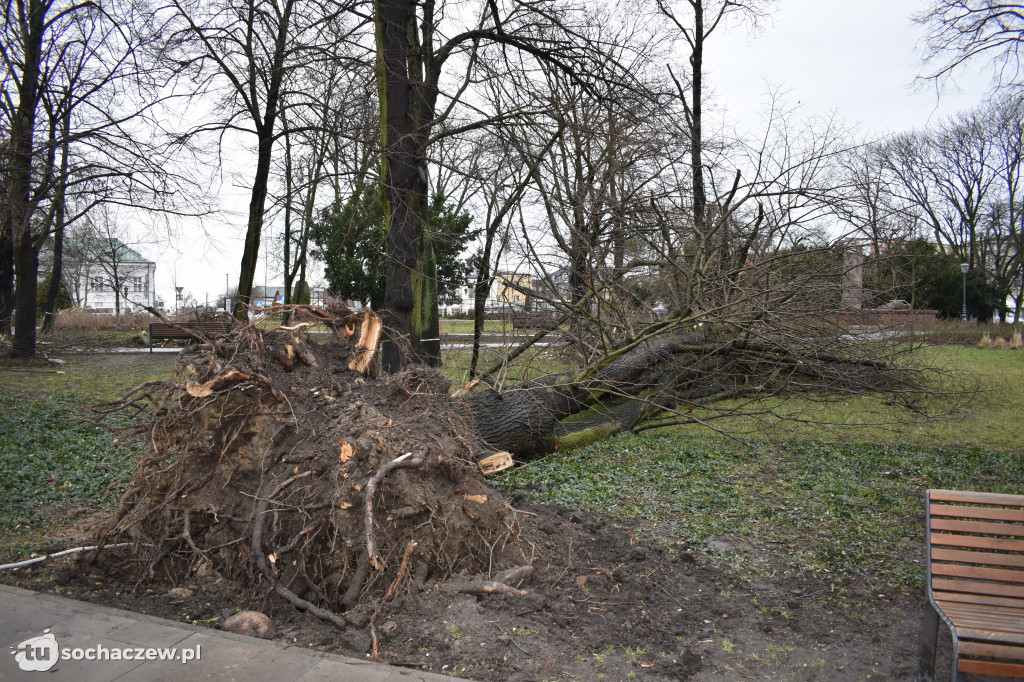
(407, 84)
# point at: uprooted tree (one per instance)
(288, 466)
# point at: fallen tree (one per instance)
(287, 466)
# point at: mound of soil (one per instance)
(276, 465)
(601, 604)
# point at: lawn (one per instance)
(449, 326)
(92, 377)
(851, 509)
(986, 418)
(54, 463)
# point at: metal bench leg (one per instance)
(929, 639)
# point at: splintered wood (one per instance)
(364, 356)
(495, 463)
(208, 388)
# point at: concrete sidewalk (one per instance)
(217, 655)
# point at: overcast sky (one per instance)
(858, 59)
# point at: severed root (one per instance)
(479, 587)
(402, 568)
(397, 463)
(366, 349)
(268, 572)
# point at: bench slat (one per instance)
(976, 542)
(980, 558)
(1002, 625)
(976, 498)
(993, 589)
(992, 513)
(970, 648)
(989, 636)
(991, 668)
(979, 599)
(978, 527)
(978, 572)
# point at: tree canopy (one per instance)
(350, 239)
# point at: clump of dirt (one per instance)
(274, 466)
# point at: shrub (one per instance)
(83, 318)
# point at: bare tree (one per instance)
(962, 32)
(697, 21)
(248, 54)
(948, 177)
(79, 97)
(870, 204)
(1008, 122)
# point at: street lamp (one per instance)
(964, 267)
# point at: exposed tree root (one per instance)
(272, 463)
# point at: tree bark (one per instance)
(22, 142)
(528, 420)
(410, 303)
(265, 134)
(57, 271)
(696, 112)
(26, 270)
(6, 277)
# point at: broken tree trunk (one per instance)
(667, 375)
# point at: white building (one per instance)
(99, 271)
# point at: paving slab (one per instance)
(50, 637)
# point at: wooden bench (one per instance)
(975, 582)
(162, 330)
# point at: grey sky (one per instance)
(857, 58)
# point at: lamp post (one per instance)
(964, 267)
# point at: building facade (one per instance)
(106, 274)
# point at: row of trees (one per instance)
(956, 185)
(80, 113)
(557, 125)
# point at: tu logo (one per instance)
(37, 654)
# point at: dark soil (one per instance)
(601, 605)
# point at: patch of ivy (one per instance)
(830, 509)
(52, 457)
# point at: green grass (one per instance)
(50, 460)
(986, 419)
(466, 326)
(829, 509)
(93, 377)
(538, 361)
